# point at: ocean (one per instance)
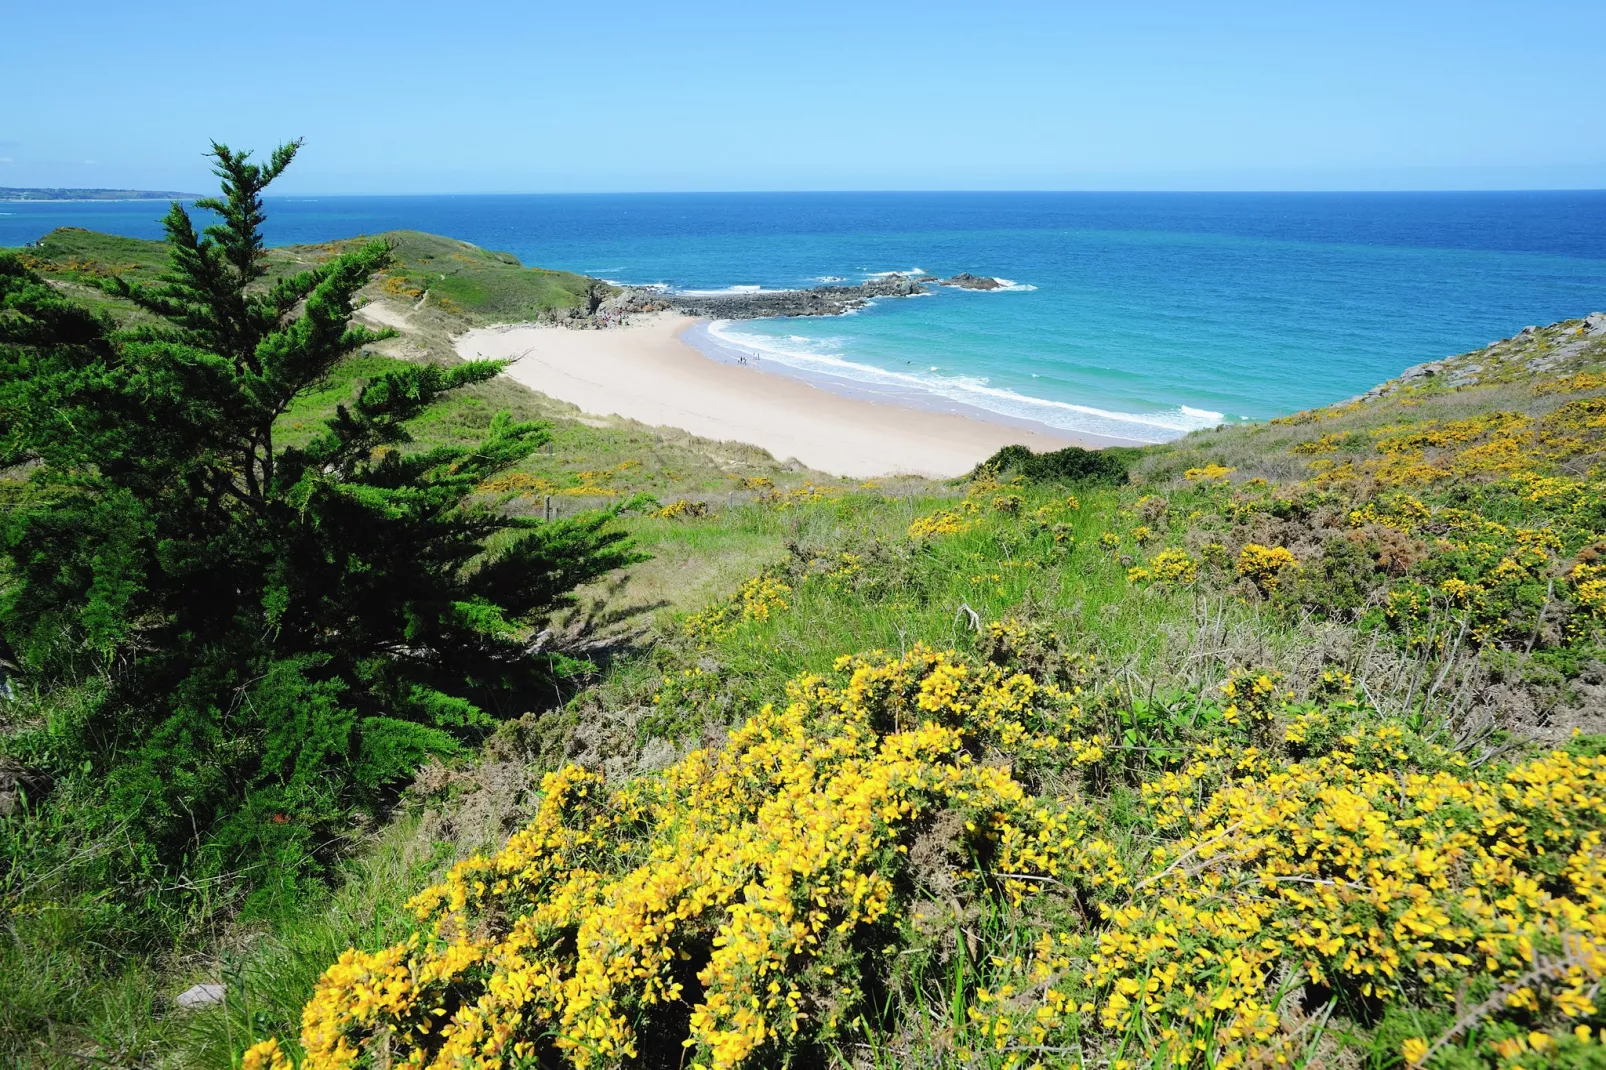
(1140, 316)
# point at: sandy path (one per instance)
(645, 372)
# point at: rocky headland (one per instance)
(1531, 351)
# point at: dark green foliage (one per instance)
(1338, 583)
(1071, 465)
(283, 633)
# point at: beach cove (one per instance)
(647, 371)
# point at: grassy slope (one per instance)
(472, 286)
(103, 995)
(1369, 626)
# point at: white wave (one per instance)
(830, 278)
(884, 274)
(976, 391)
(658, 287)
(739, 289)
(1011, 286)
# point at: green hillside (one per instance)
(459, 284)
(1265, 751)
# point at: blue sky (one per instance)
(532, 96)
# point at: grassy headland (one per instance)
(1255, 748)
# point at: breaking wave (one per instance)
(821, 357)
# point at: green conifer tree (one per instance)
(279, 634)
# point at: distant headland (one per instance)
(52, 193)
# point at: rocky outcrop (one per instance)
(832, 299)
(966, 281)
(829, 300)
(1531, 351)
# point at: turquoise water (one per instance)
(1135, 315)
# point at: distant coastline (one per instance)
(51, 194)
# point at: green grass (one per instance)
(454, 285)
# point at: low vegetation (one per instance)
(1274, 746)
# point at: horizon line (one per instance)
(169, 195)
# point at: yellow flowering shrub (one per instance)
(1172, 565)
(599, 482)
(809, 493)
(735, 884)
(517, 484)
(741, 905)
(946, 522)
(1207, 473)
(757, 600)
(1365, 860)
(1008, 504)
(682, 509)
(1263, 565)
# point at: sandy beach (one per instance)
(646, 372)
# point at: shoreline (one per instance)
(647, 371)
(701, 337)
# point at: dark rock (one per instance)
(831, 300)
(966, 281)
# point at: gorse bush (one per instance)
(745, 907)
(273, 635)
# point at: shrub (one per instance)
(1263, 565)
(620, 905)
(745, 907)
(757, 600)
(1208, 473)
(1169, 566)
(1072, 464)
(946, 522)
(682, 509)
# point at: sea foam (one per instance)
(812, 357)
(739, 289)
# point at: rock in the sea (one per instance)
(199, 996)
(829, 300)
(966, 281)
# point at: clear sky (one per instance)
(533, 96)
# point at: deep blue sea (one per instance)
(1136, 315)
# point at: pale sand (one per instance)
(646, 372)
